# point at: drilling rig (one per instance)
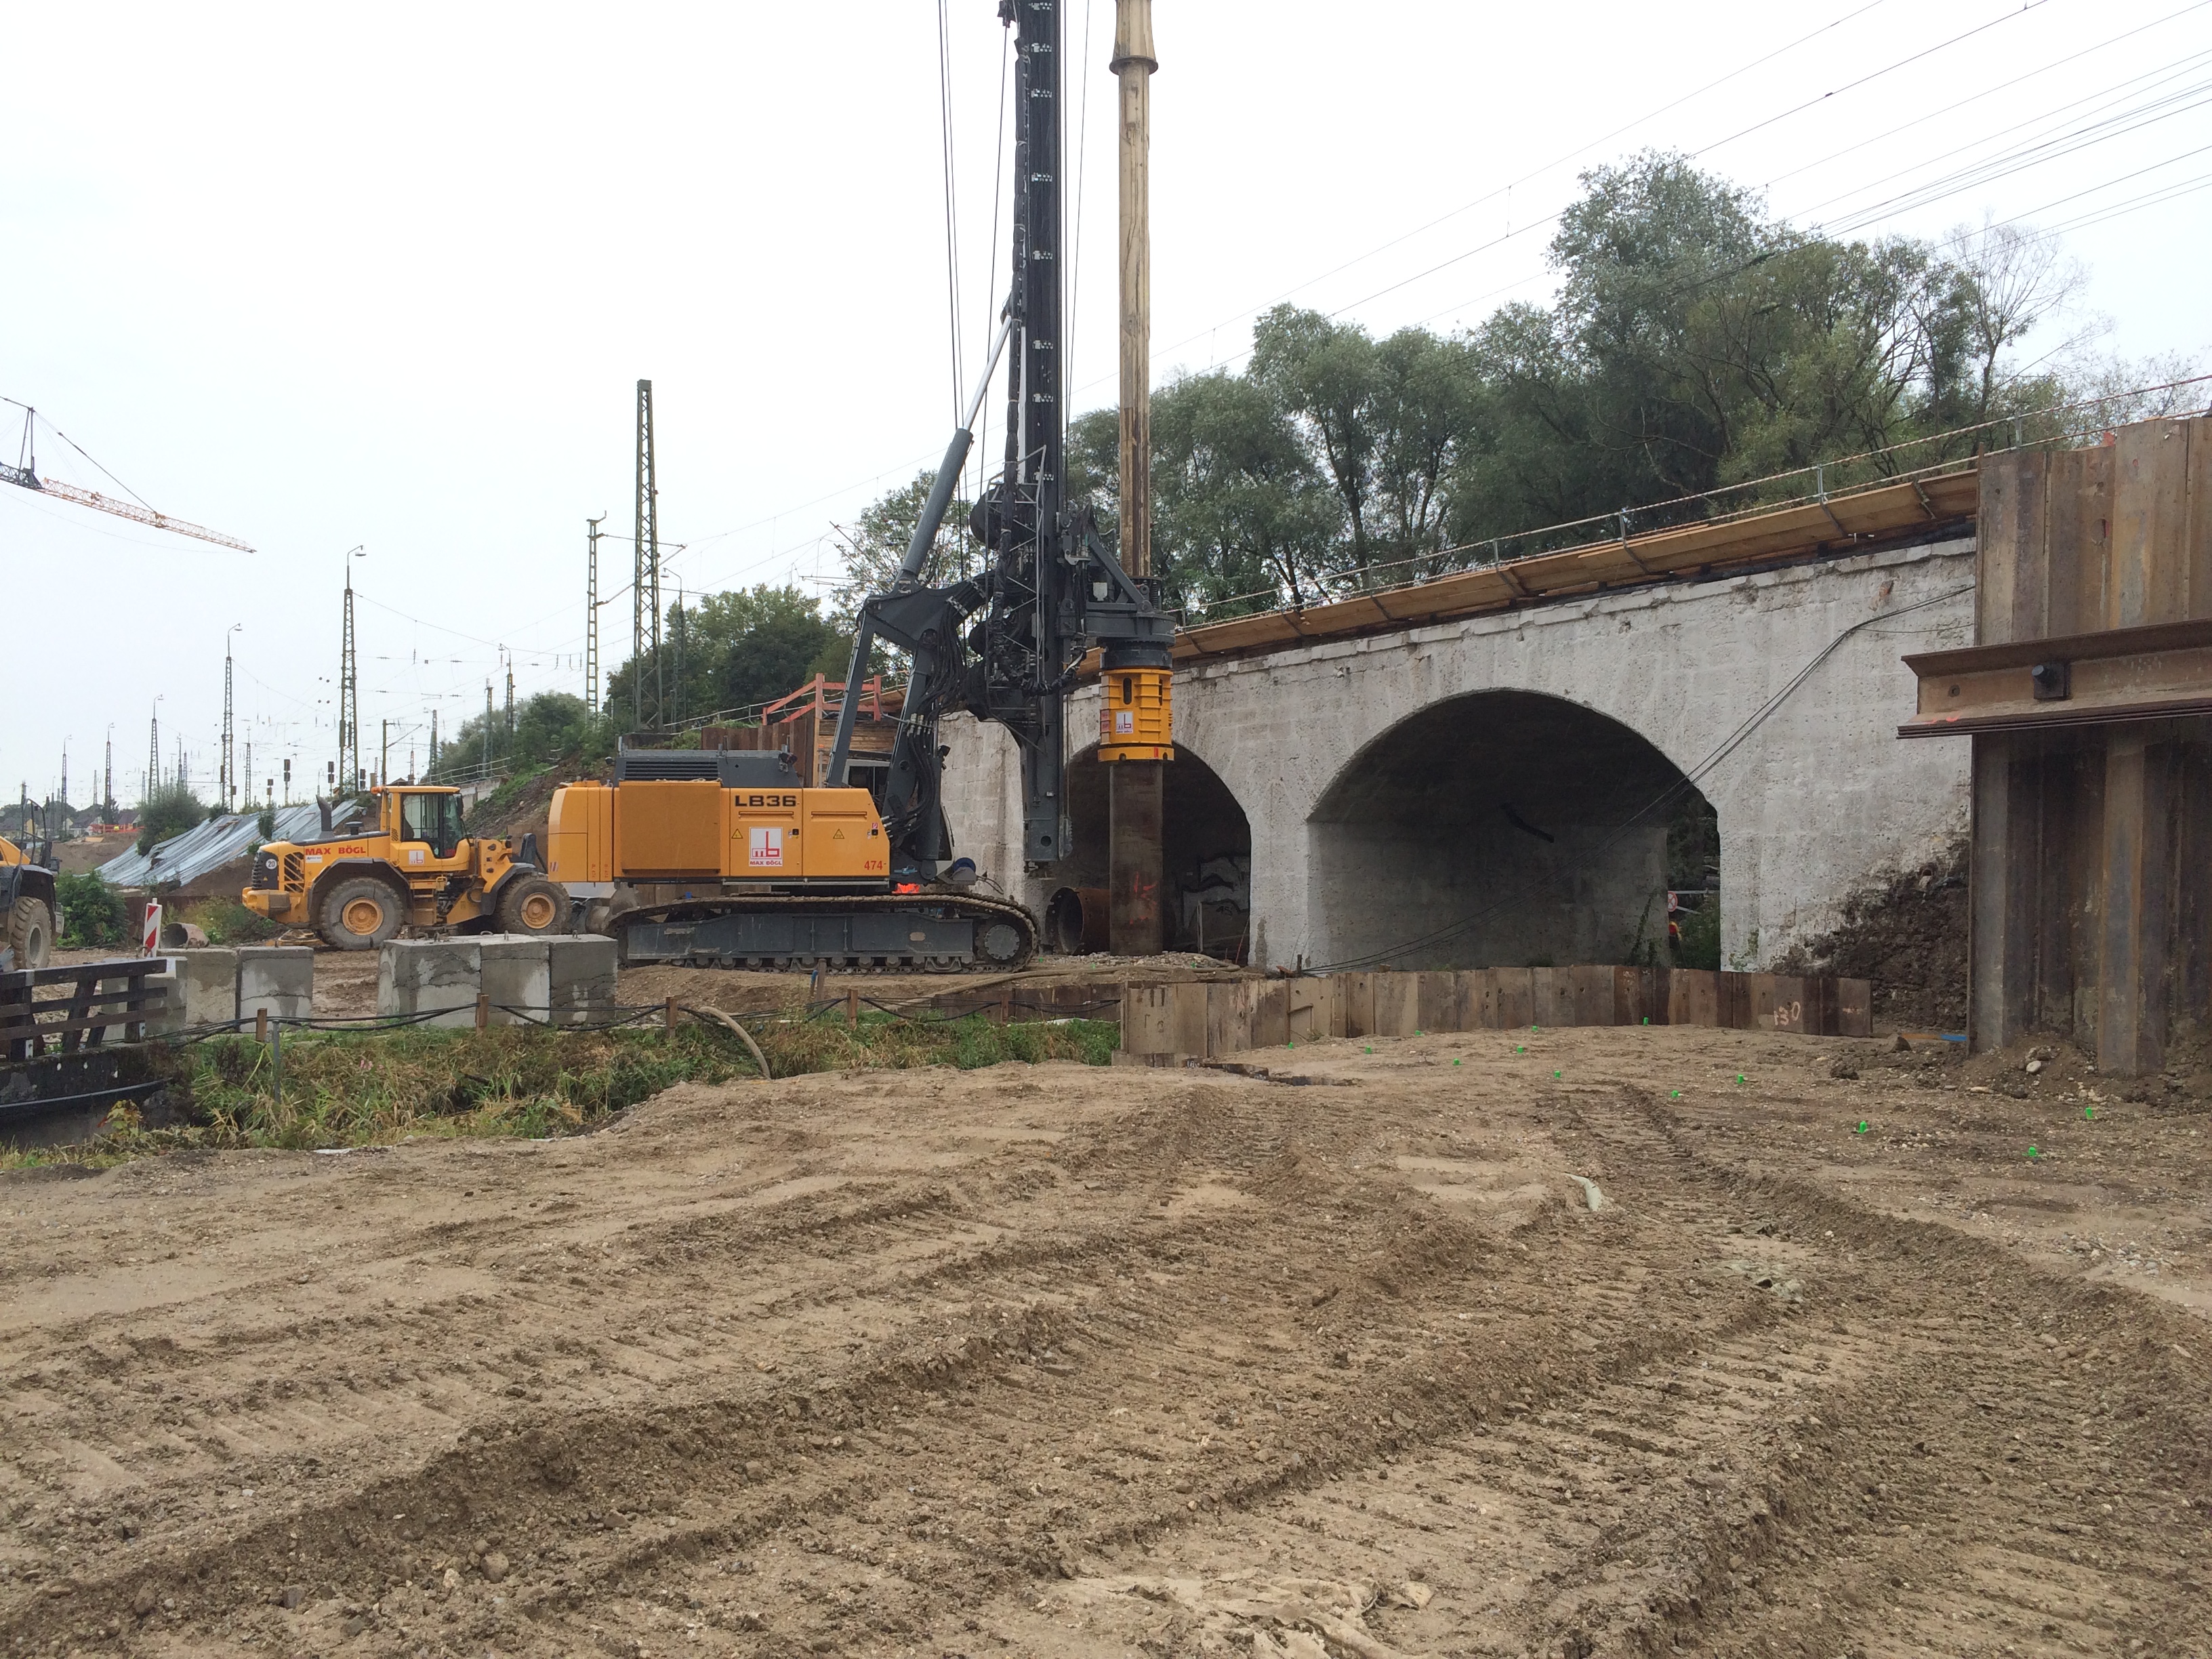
(1006, 644)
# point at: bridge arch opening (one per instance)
(1508, 828)
(1207, 902)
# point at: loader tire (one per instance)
(30, 931)
(360, 914)
(532, 904)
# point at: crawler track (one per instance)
(664, 934)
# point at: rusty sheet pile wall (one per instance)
(1165, 1024)
(2088, 701)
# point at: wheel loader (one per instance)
(413, 868)
(28, 905)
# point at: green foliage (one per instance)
(169, 810)
(1700, 945)
(490, 807)
(351, 1089)
(93, 914)
(1696, 342)
(548, 726)
(875, 544)
(227, 921)
(735, 650)
(265, 825)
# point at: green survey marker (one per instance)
(2089, 1112)
(1555, 1074)
(1862, 1129)
(1739, 1077)
(1677, 1095)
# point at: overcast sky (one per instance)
(320, 276)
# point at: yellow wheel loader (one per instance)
(27, 905)
(413, 869)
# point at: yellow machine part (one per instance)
(694, 829)
(580, 834)
(1136, 721)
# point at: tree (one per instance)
(874, 546)
(169, 810)
(1700, 355)
(1430, 403)
(93, 912)
(738, 650)
(1242, 519)
(1325, 377)
(547, 726)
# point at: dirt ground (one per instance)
(1061, 1360)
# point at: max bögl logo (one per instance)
(764, 847)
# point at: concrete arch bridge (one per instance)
(1488, 771)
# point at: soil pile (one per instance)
(1907, 933)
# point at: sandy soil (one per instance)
(1057, 1360)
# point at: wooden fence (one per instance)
(1163, 1025)
(100, 997)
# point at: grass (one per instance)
(226, 920)
(360, 1089)
(505, 795)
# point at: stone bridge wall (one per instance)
(1812, 797)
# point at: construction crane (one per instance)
(25, 474)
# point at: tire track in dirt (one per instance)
(1206, 1370)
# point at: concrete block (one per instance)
(278, 977)
(203, 990)
(580, 972)
(421, 976)
(516, 975)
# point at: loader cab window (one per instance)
(433, 818)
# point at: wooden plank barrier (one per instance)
(1169, 1024)
(103, 997)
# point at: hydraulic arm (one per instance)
(1006, 644)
